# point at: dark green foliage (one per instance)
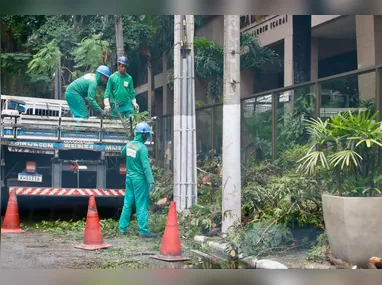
(290, 124)
(274, 200)
(271, 192)
(209, 66)
(89, 52)
(316, 253)
(56, 38)
(259, 128)
(256, 239)
(255, 56)
(14, 62)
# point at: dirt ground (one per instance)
(42, 250)
(37, 250)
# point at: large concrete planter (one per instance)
(354, 227)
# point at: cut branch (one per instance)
(275, 221)
(201, 170)
(338, 262)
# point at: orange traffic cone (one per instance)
(170, 249)
(93, 239)
(11, 219)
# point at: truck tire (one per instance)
(4, 199)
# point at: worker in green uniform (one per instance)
(139, 181)
(120, 92)
(84, 89)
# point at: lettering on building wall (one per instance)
(248, 20)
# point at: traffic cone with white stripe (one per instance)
(11, 222)
(93, 239)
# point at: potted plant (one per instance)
(345, 153)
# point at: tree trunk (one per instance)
(231, 204)
(119, 36)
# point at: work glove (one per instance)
(102, 113)
(107, 105)
(152, 188)
(136, 106)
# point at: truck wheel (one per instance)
(4, 199)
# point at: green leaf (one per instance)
(344, 158)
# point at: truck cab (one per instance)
(49, 156)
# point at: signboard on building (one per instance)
(249, 20)
(270, 30)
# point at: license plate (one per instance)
(29, 177)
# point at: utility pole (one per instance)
(185, 178)
(177, 113)
(231, 183)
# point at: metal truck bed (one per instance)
(38, 134)
(61, 129)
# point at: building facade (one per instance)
(309, 46)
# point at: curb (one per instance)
(252, 262)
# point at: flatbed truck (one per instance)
(52, 159)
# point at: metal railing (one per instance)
(31, 127)
(268, 116)
(38, 106)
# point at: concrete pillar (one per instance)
(288, 61)
(231, 178)
(314, 63)
(150, 93)
(288, 73)
(165, 86)
(369, 51)
(314, 59)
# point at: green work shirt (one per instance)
(137, 160)
(120, 89)
(86, 87)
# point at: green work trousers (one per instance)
(136, 191)
(125, 110)
(77, 105)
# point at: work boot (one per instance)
(149, 235)
(127, 234)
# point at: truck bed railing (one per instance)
(62, 129)
(38, 106)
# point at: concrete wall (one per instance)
(369, 51)
(320, 19)
(279, 28)
(247, 78)
(332, 47)
(213, 30)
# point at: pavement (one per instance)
(44, 250)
